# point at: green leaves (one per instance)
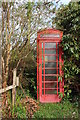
(60, 94)
(72, 50)
(67, 19)
(66, 46)
(60, 78)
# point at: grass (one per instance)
(65, 109)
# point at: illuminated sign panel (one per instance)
(50, 36)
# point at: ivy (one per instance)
(68, 20)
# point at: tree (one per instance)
(30, 18)
(20, 23)
(68, 20)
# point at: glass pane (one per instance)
(42, 78)
(50, 62)
(58, 47)
(50, 78)
(42, 72)
(50, 51)
(50, 45)
(48, 58)
(50, 65)
(50, 85)
(51, 71)
(42, 64)
(42, 92)
(50, 91)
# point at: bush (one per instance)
(17, 112)
(67, 19)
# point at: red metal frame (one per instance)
(55, 36)
(57, 66)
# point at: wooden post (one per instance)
(14, 89)
(17, 81)
(0, 77)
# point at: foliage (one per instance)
(18, 111)
(62, 110)
(67, 19)
(20, 23)
(29, 81)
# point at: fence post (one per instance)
(0, 76)
(14, 89)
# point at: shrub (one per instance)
(67, 19)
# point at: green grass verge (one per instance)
(65, 109)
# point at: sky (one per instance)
(65, 1)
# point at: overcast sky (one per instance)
(65, 1)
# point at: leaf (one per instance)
(65, 76)
(77, 56)
(72, 50)
(69, 91)
(61, 95)
(67, 94)
(61, 79)
(65, 86)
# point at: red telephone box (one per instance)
(49, 66)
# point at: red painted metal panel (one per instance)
(50, 31)
(60, 72)
(40, 70)
(55, 40)
(49, 36)
(62, 61)
(44, 65)
(57, 66)
(50, 99)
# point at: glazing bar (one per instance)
(57, 65)
(44, 64)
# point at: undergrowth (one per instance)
(65, 109)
